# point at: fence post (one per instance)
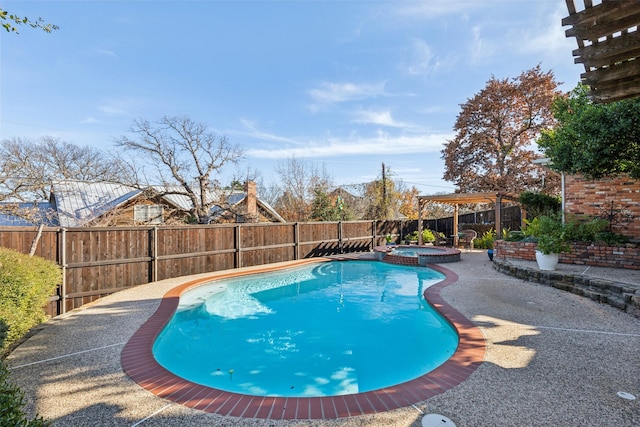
(153, 248)
(374, 232)
(63, 262)
(340, 242)
(238, 258)
(296, 241)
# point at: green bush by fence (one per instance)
(12, 403)
(26, 283)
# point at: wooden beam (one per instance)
(602, 20)
(610, 51)
(420, 242)
(455, 226)
(499, 217)
(614, 73)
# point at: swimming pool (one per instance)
(326, 329)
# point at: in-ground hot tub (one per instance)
(416, 255)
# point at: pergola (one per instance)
(457, 199)
(608, 37)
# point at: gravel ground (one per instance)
(553, 358)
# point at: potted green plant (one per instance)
(486, 241)
(551, 242)
(427, 236)
(413, 238)
(389, 238)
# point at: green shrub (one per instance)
(427, 236)
(12, 404)
(584, 229)
(486, 240)
(538, 204)
(612, 239)
(26, 283)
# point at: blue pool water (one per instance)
(414, 251)
(319, 330)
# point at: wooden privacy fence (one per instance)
(100, 261)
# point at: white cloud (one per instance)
(437, 8)
(253, 132)
(117, 107)
(329, 93)
(377, 118)
(481, 49)
(380, 144)
(546, 38)
(88, 120)
(385, 118)
(106, 52)
(421, 59)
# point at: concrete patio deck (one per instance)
(552, 358)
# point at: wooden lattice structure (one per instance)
(608, 39)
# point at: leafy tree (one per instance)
(538, 204)
(28, 167)
(409, 203)
(594, 140)
(10, 22)
(383, 198)
(495, 131)
(326, 207)
(183, 155)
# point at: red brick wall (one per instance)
(514, 250)
(598, 256)
(599, 198)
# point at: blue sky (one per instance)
(344, 84)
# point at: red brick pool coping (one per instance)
(138, 362)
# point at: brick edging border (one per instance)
(623, 296)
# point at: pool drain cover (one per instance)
(625, 395)
(435, 420)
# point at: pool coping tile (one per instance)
(139, 364)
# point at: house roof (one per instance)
(183, 202)
(38, 212)
(237, 197)
(79, 202)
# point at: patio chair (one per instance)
(466, 238)
(440, 241)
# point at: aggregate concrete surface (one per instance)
(553, 359)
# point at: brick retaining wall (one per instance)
(597, 256)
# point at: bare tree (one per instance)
(183, 155)
(27, 167)
(299, 180)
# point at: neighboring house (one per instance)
(18, 214)
(81, 204)
(241, 206)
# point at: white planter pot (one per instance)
(548, 261)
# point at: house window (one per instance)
(148, 214)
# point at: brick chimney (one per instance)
(251, 201)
